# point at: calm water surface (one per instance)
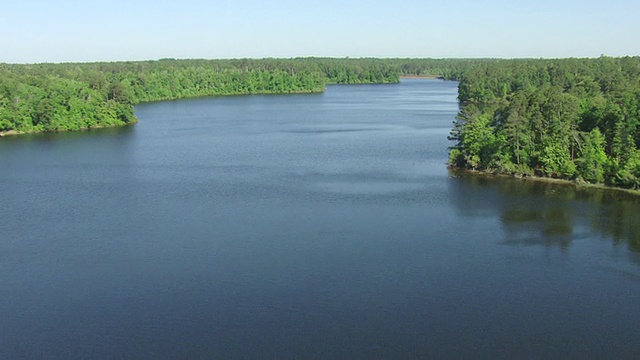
(320, 225)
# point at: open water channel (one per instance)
(322, 225)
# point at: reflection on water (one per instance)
(550, 214)
(12, 141)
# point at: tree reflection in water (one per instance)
(547, 213)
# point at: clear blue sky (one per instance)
(109, 30)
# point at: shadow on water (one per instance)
(549, 214)
(122, 131)
(107, 139)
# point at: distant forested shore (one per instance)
(573, 119)
(77, 96)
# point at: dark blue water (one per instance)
(303, 226)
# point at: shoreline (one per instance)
(11, 133)
(300, 92)
(548, 180)
(429, 76)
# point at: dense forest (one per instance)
(61, 97)
(573, 119)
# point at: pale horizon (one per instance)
(37, 31)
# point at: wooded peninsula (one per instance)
(68, 97)
(574, 119)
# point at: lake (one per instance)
(303, 226)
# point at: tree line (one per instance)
(63, 97)
(573, 119)
(76, 96)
